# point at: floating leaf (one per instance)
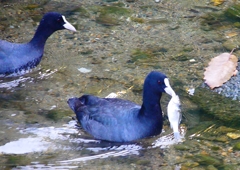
(220, 69)
(233, 135)
(231, 34)
(217, 2)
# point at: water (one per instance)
(37, 130)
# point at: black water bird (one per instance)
(119, 120)
(16, 57)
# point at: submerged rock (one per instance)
(107, 20)
(207, 160)
(233, 12)
(211, 167)
(110, 0)
(230, 44)
(182, 147)
(237, 146)
(110, 15)
(57, 115)
(231, 167)
(218, 106)
(14, 160)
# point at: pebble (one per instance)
(84, 70)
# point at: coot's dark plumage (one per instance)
(15, 57)
(119, 120)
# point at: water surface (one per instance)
(109, 55)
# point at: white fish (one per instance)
(174, 115)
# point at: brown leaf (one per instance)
(220, 69)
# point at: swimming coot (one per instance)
(119, 120)
(15, 57)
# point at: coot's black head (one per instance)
(158, 83)
(56, 21)
(75, 103)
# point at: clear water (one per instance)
(37, 130)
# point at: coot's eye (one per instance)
(58, 20)
(159, 82)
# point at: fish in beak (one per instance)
(173, 110)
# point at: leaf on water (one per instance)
(231, 34)
(217, 2)
(220, 69)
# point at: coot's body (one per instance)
(119, 120)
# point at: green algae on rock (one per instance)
(230, 44)
(118, 4)
(231, 167)
(182, 147)
(110, 15)
(107, 20)
(141, 55)
(237, 24)
(218, 106)
(32, 6)
(110, 0)
(157, 21)
(189, 165)
(211, 167)
(207, 160)
(17, 160)
(233, 12)
(57, 115)
(237, 146)
(119, 11)
(216, 19)
(82, 12)
(184, 56)
(147, 57)
(138, 20)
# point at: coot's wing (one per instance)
(107, 118)
(109, 110)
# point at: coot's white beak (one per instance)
(168, 89)
(67, 25)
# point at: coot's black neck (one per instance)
(41, 36)
(151, 102)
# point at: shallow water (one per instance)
(37, 130)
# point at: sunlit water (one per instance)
(36, 126)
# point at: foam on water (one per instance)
(25, 145)
(14, 83)
(40, 139)
(13, 80)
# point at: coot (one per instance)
(15, 57)
(119, 120)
